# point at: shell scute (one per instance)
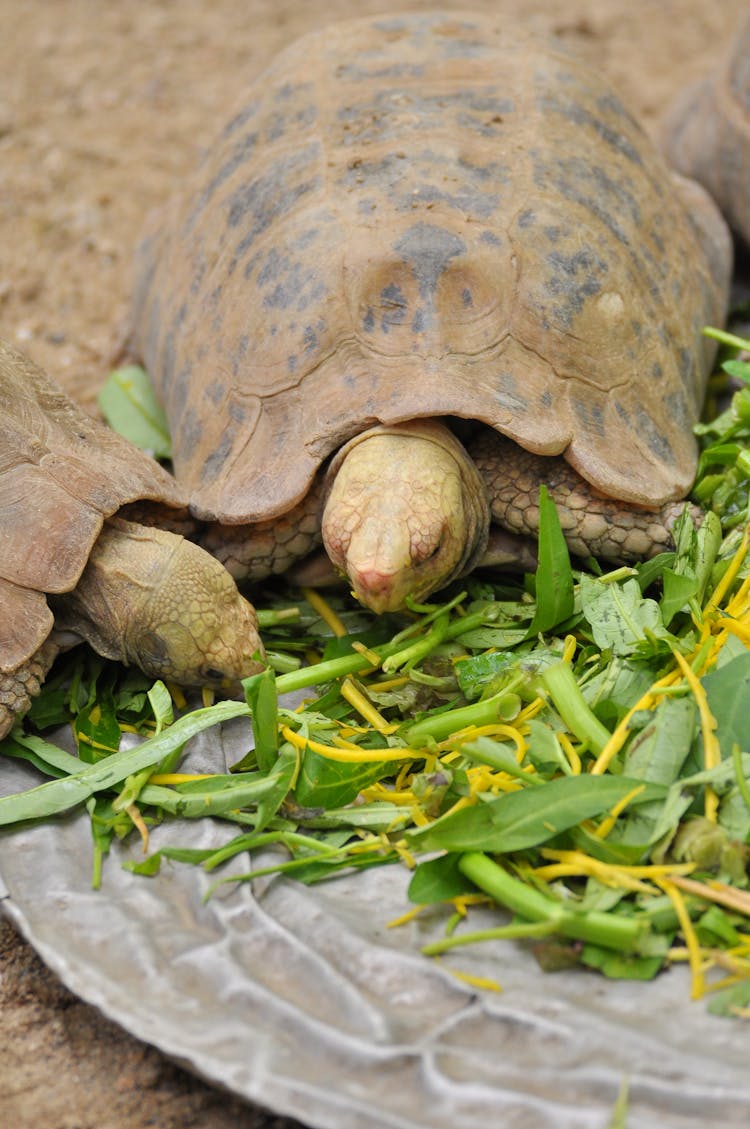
(61, 473)
(466, 223)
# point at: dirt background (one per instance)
(102, 109)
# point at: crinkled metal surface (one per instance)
(304, 1000)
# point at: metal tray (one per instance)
(304, 1000)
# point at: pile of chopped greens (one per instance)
(571, 746)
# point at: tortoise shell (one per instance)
(707, 133)
(427, 215)
(61, 474)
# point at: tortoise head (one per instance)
(406, 513)
(150, 598)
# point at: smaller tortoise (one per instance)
(74, 568)
(430, 262)
(707, 133)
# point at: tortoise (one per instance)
(429, 262)
(707, 133)
(74, 566)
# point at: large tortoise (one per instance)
(72, 567)
(411, 223)
(707, 133)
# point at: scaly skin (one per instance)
(593, 524)
(149, 598)
(19, 686)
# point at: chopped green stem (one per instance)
(431, 613)
(499, 756)
(281, 662)
(273, 617)
(474, 620)
(608, 930)
(437, 727)
(560, 683)
(502, 933)
(725, 338)
(133, 787)
(336, 859)
(252, 842)
(739, 774)
(419, 650)
(329, 669)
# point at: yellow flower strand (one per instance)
(620, 732)
(405, 918)
(348, 754)
(373, 659)
(571, 753)
(711, 749)
(167, 778)
(137, 820)
(620, 876)
(616, 810)
(695, 958)
(364, 707)
(531, 710)
(484, 982)
(325, 611)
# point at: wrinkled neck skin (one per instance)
(405, 513)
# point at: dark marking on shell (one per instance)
(508, 394)
(214, 464)
(428, 250)
(553, 103)
(574, 279)
(358, 72)
(215, 392)
(255, 205)
(590, 416)
(393, 306)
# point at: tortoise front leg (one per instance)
(593, 525)
(19, 686)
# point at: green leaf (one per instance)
(161, 704)
(731, 1000)
(659, 751)
(728, 692)
(621, 966)
(129, 405)
(678, 590)
(260, 694)
(438, 880)
(619, 615)
(96, 728)
(325, 783)
(740, 370)
(518, 820)
(554, 577)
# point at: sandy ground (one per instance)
(102, 108)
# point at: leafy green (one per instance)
(129, 404)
